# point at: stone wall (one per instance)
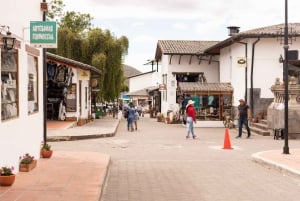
(260, 105)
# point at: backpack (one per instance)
(126, 114)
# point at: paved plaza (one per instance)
(157, 163)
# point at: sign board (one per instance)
(241, 62)
(43, 34)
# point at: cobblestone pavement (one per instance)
(157, 163)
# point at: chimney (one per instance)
(233, 30)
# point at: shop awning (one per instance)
(205, 87)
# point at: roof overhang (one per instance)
(71, 63)
(205, 87)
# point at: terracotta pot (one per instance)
(27, 167)
(7, 180)
(46, 153)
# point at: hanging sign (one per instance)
(43, 34)
(241, 62)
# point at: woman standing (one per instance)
(190, 119)
(130, 117)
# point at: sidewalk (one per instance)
(65, 131)
(66, 176)
(287, 163)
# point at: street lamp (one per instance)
(8, 40)
(286, 82)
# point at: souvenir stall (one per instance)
(213, 101)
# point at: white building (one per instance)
(21, 125)
(263, 52)
(189, 73)
(71, 89)
(245, 65)
(139, 85)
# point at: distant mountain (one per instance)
(129, 71)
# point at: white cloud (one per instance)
(146, 21)
(180, 26)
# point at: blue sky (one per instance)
(144, 22)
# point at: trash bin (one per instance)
(98, 112)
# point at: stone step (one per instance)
(263, 121)
(255, 130)
(259, 131)
(260, 125)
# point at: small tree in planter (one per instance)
(7, 177)
(46, 151)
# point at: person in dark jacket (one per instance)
(243, 117)
(190, 119)
(130, 118)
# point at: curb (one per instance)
(274, 165)
(104, 179)
(82, 137)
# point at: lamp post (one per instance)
(286, 82)
(8, 40)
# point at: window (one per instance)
(71, 99)
(32, 84)
(9, 85)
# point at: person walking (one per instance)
(190, 119)
(130, 118)
(136, 118)
(243, 117)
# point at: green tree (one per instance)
(98, 48)
(55, 10)
(76, 22)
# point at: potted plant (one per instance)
(46, 151)
(27, 163)
(7, 178)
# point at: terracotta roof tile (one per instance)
(184, 46)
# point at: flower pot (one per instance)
(27, 167)
(7, 180)
(46, 153)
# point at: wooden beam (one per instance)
(200, 58)
(170, 58)
(191, 59)
(210, 58)
(179, 59)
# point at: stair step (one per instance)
(263, 132)
(263, 121)
(255, 130)
(260, 126)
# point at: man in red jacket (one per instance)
(190, 118)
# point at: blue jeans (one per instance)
(190, 126)
(242, 122)
(130, 123)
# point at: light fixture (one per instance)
(8, 40)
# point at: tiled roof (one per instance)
(198, 86)
(72, 62)
(182, 47)
(272, 31)
(263, 32)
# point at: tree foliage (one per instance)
(93, 46)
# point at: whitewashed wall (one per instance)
(143, 81)
(24, 133)
(266, 66)
(211, 72)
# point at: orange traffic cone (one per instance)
(227, 144)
